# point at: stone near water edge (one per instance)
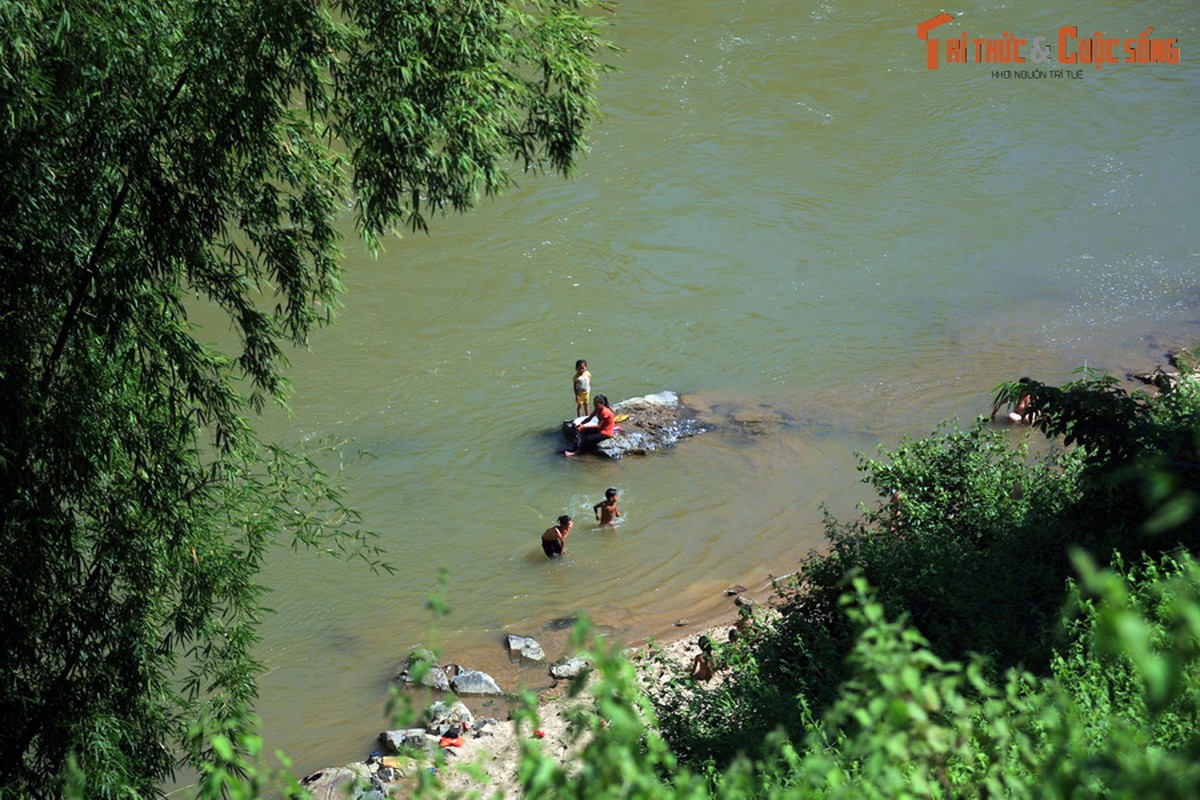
(351, 782)
(735, 589)
(525, 647)
(482, 728)
(406, 739)
(471, 681)
(329, 783)
(436, 677)
(442, 718)
(568, 667)
(390, 770)
(1164, 381)
(1185, 359)
(389, 777)
(561, 623)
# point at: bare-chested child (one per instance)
(1019, 412)
(554, 540)
(606, 510)
(702, 667)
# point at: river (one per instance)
(783, 206)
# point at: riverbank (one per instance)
(483, 754)
(498, 753)
(490, 763)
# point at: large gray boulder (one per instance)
(651, 422)
(568, 667)
(352, 782)
(406, 740)
(525, 647)
(471, 681)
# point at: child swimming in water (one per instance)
(606, 510)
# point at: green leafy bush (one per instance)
(969, 543)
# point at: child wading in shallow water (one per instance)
(606, 510)
(1020, 412)
(554, 540)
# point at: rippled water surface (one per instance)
(783, 208)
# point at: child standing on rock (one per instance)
(582, 385)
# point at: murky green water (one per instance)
(783, 205)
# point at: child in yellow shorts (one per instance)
(582, 384)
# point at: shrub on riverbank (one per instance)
(965, 542)
(970, 546)
(1116, 716)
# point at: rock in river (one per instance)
(525, 647)
(470, 681)
(568, 667)
(424, 663)
(650, 422)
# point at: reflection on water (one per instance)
(785, 218)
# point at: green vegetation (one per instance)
(1187, 359)
(160, 157)
(985, 631)
(1116, 717)
(994, 626)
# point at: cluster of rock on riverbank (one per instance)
(445, 725)
(1184, 362)
(449, 725)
